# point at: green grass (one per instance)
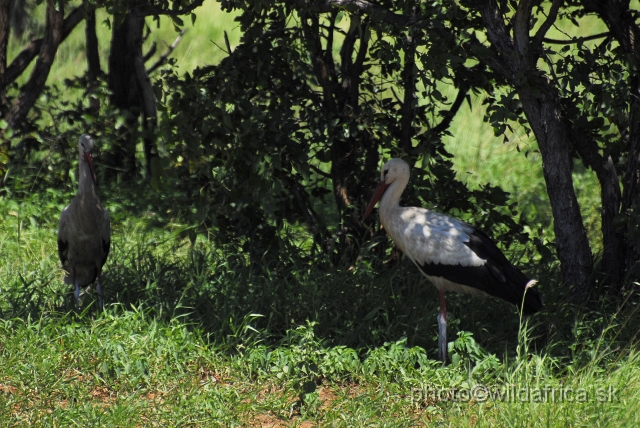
(125, 369)
(195, 335)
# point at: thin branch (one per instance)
(164, 56)
(577, 39)
(320, 172)
(551, 18)
(152, 51)
(147, 11)
(451, 113)
(226, 42)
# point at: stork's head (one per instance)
(391, 171)
(85, 147)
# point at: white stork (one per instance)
(84, 230)
(453, 255)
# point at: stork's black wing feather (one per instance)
(106, 246)
(496, 277)
(511, 282)
(62, 251)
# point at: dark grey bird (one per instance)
(84, 230)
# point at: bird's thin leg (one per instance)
(442, 329)
(99, 291)
(76, 292)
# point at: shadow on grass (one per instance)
(236, 303)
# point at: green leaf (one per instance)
(309, 387)
(177, 21)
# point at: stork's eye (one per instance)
(385, 172)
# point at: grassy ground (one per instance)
(193, 335)
(123, 368)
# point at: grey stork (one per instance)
(84, 230)
(453, 255)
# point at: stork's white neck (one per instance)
(391, 198)
(85, 180)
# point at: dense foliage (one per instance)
(274, 149)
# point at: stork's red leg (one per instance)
(442, 328)
(76, 292)
(99, 289)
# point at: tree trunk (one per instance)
(4, 39)
(126, 46)
(631, 195)
(409, 86)
(544, 115)
(517, 59)
(131, 90)
(34, 86)
(622, 25)
(340, 100)
(149, 116)
(93, 60)
(612, 269)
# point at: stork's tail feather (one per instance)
(85, 276)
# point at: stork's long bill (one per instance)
(377, 195)
(89, 160)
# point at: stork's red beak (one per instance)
(89, 159)
(382, 186)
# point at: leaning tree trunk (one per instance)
(34, 86)
(518, 56)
